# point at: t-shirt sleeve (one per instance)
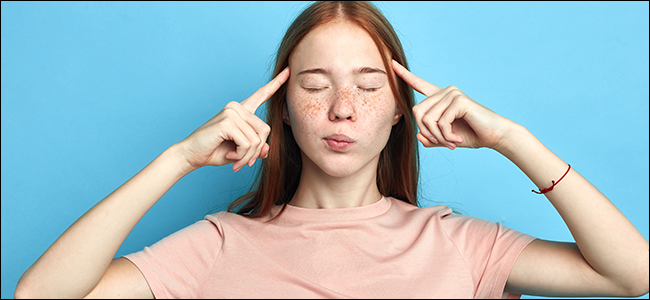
(489, 249)
(178, 265)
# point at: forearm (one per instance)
(77, 260)
(606, 238)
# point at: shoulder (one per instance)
(220, 218)
(225, 220)
(439, 212)
(439, 218)
(443, 217)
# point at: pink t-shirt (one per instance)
(389, 249)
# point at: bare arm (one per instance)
(610, 256)
(74, 264)
(80, 262)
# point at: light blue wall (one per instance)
(92, 92)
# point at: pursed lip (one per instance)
(339, 142)
(340, 138)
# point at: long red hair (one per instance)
(398, 167)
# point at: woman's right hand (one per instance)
(235, 135)
(81, 261)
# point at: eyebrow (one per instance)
(362, 70)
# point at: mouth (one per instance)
(339, 142)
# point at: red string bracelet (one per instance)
(548, 189)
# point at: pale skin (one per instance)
(339, 87)
(345, 91)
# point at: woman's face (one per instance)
(339, 102)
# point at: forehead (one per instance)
(339, 46)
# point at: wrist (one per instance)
(515, 137)
(175, 156)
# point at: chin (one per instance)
(341, 166)
(340, 172)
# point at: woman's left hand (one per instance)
(449, 118)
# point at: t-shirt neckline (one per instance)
(336, 214)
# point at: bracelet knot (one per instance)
(553, 182)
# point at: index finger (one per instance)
(417, 83)
(264, 93)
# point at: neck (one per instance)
(318, 189)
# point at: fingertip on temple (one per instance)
(396, 66)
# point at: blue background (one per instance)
(92, 92)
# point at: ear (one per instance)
(398, 115)
(285, 114)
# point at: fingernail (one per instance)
(433, 140)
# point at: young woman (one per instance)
(334, 210)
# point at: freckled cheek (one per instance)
(305, 110)
(307, 106)
(378, 110)
(378, 106)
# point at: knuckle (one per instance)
(417, 110)
(232, 105)
(266, 129)
(460, 98)
(228, 111)
(229, 121)
(429, 119)
(453, 93)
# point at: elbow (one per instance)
(629, 289)
(641, 288)
(21, 291)
(638, 285)
(20, 294)
(638, 291)
(26, 289)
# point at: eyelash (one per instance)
(313, 90)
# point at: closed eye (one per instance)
(314, 90)
(369, 89)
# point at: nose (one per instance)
(342, 107)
